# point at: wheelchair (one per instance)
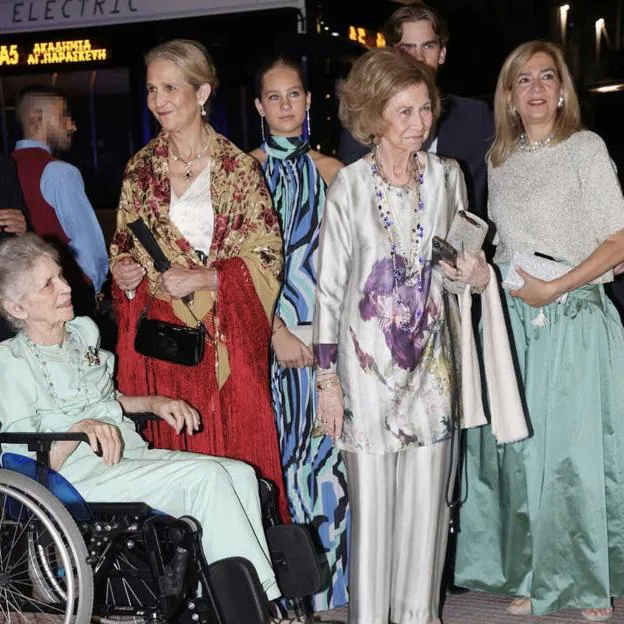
(125, 562)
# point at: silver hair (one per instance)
(18, 256)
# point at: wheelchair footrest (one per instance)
(295, 560)
(237, 591)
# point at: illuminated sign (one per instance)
(52, 53)
(368, 38)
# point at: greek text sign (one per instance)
(51, 53)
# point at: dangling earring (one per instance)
(262, 128)
(203, 109)
(560, 101)
(308, 122)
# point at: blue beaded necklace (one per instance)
(414, 260)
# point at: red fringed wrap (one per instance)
(238, 421)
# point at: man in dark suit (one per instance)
(466, 127)
(13, 215)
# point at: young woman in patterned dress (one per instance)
(297, 177)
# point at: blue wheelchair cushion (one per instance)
(60, 487)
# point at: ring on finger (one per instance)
(458, 272)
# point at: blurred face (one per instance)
(283, 102)
(48, 301)
(59, 126)
(421, 42)
(536, 90)
(174, 102)
(408, 117)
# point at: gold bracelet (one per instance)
(323, 385)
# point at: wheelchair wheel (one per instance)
(43, 557)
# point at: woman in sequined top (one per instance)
(543, 520)
(382, 338)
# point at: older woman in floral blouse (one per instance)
(382, 338)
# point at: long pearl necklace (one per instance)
(70, 345)
(188, 174)
(414, 261)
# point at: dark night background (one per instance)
(108, 103)
(108, 99)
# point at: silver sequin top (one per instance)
(562, 200)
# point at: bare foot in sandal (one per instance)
(598, 615)
(520, 606)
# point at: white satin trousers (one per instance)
(399, 528)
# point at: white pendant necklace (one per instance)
(188, 174)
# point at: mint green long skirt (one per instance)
(545, 517)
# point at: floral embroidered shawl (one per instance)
(245, 225)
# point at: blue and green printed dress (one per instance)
(313, 468)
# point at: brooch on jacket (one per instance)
(92, 356)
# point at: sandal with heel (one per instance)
(520, 606)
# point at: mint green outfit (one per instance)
(545, 516)
(222, 494)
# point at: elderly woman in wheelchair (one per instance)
(53, 378)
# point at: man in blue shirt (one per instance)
(54, 191)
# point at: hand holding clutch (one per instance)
(472, 269)
(531, 278)
(467, 235)
(537, 266)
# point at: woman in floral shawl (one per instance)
(207, 206)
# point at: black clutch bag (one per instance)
(158, 339)
(173, 343)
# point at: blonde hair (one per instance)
(192, 59)
(375, 78)
(508, 123)
(18, 256)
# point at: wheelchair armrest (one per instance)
(140, 418)
(41, 443)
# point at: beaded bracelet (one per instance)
(323, 385)
(478, 290)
